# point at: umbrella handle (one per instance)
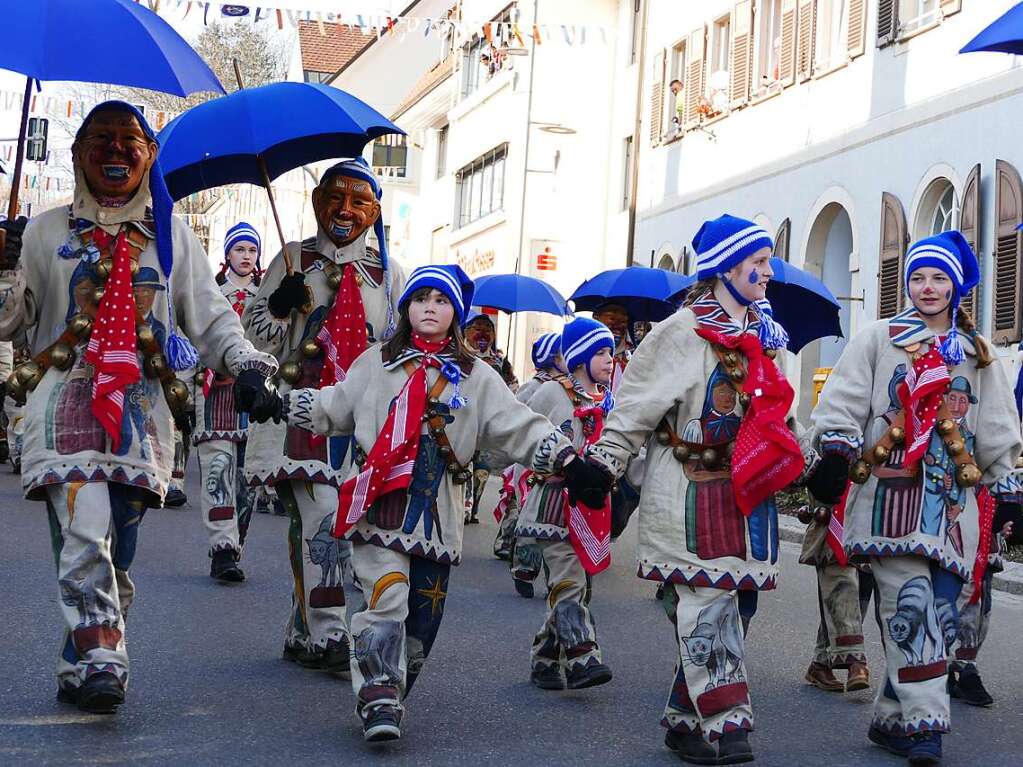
(12, 205)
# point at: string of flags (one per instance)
(64, 107)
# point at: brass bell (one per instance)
(1019, 462)
(898, 435)
(822, 514)
(968, 475)
(663, 438)
(134, 267)
(176, 392)
(745, 399)
(29, 374)
(770, 353)
(805, 515)
(737, 374)
(334, 279)
(955, 446)
(881, 454)
(709, 457)
(14, 389)
(146, 336)
(310, 348)
(103, 268)
(859, 472)
(80, 325)
(155, 365)
(946, 426)
(444, 450)
(681, 453)
(730, 359)
(97, 295)
(61, 356)
(291, 372)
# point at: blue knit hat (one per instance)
(180, 353)
(242, 232)
(726, 241)
(545, 349)
(581, 339)
(449, 279)
(952, 254)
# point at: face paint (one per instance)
(754, 277)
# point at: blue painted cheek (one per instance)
(754, 277)
(948, 295)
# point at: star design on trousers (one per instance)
(435, 594)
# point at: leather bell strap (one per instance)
(952, 436)
(435, 421)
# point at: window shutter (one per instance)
(856, 39)
(969, 225)
(781, 240)
(787, 63)
(806, 32)
(695, 52)
(890, 292)
(887, 22)
(657, 100)
(948, 7)
(741, 55)
(1005, 326)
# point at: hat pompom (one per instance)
(181, 355)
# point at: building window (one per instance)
(311, 76)
(831, 49)
(442, 152)
(917, 14)
(717, 63)
(484, 57)
(768, 41)
(390, 156)
(627, 174)
(480, 187)
(676, 95)
(945, 212)
(938, 210)
(636, 32)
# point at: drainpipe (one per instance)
(637, 140)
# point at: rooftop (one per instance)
(330, 51)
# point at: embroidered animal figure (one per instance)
(716, 643)
(948, 621)
(915, 622)
(843, 602)
(325, 551)
(378, 653)
(90, 595)
(220, 479)
(570, 624)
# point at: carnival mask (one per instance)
(115, 154)
(479, 334)
(345, 207)
(615, 318)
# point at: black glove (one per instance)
(290, 294)
(585, 482)
(255, 395)
(1009, 511)
(828, 481)
(185, 421)
(12, 247)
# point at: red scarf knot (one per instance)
(343, 334)
(921, 394)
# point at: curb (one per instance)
(1010, 580)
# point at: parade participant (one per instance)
(101, 392)
(616, 317)
(704, 395)
(565, 650)
(419, 407)
(316, 321)
(922, 510)
(226, 501)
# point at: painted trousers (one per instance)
(93, 529)
(319, 563)
(974, 621)
(504, 542)
(225, 499)
(916, 608)
(177, 481)
(843, 596)
(568, 637)
(393, 633)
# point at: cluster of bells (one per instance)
(291, 371)
(967, 474)
(710, 457)
(807, 514)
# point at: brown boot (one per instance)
(820, 676)
(858, 677)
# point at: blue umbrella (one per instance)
(282, 125)
(1004, 35)
(647, 294)
(518, 293)
(802, 304)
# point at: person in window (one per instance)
(677, 117)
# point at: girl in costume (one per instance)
(704, 396)
(419, 407)
(926, 476)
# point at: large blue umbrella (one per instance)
(802, 304)
(282, 126)
(647, 294)
(518, 293)
(1003, 35)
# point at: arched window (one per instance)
(945, 211)
(667, 263)
(938, 209)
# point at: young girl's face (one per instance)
(431, 314)
(930, 290)
(750, 277)
(243, 257)
(601, 365)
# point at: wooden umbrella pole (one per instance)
(12, 206)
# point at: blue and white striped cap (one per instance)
(242, 232)
(952, 254)
(449, 279)
(581, 339)
(545, 349)
(726, 241)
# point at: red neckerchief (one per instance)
(112, 350)
(921, 394)
(985, 517)
(343, 334)
(589, 530)
(239, 301)
(389, 464)
(767, 457)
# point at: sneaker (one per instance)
(224, 566)
(971, 689)
(858, 677)
(691, 747)
(547, 678)
(175, 498)
(734, 748)
(890, 742)
(821, 677)
(581, 677)
(926, 749)
(523, 588)
(337, 658)
(381, 723)
(101, 693)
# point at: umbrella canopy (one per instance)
(802, 304)
(284, 125)
(50, 40)
(1004, 35)
(518, 293)
(647, 294)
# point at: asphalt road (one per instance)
(209, 687)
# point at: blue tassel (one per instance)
(609, 401)
(772, 334)
(952, 348)
(453, 373)
(181, 355)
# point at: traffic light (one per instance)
(35, 145)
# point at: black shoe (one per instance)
(472, 521)
(337, 657)
(523, 588)
(893, 744)
(67, 695)
(503, 552)
(5, 451)
(175, 498)
(691, 747)
(304, 657)
(952, 685)
(101, 693)
(926, 749)
(224, 566)
(381, 723)
(581, 677)
(971, 689)
(547, 678)
(734, 748)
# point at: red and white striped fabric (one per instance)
(507, 493)
(921, 394)
(589, 530)
(343, 335)
(112, 346)
(836, 529)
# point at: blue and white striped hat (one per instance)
(581, 339)
(545, 349)
(242, 232)
(726, 241)
(952, 254)
(449, 279)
